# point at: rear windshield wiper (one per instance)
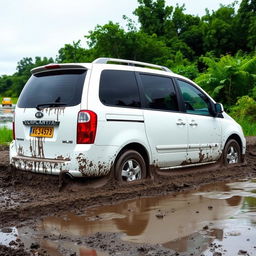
(51, 104)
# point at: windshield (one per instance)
(63, 87)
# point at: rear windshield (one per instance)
(60, 87)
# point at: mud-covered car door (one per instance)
(204, 130)
(46, 113)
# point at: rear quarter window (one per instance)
(119, 88)
(62, 86)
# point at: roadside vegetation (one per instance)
(5, 136)
(244, 112)
(217, 50)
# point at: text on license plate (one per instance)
(46, 132)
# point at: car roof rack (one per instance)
(130, 63)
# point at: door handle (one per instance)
(193, 123)
(180, 122)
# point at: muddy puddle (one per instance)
(6, 116)
(217, 219)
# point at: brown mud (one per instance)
(27, 197)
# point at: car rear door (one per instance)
(166, 127)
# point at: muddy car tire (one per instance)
(130, 166)
(232, 153)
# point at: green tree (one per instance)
(5, 84)
(153, 16)
(107, 40)
(12, 85)
(180, 31)
(111, 40)
(218, 31)
(229, 77)
(74, 53)
(245, 25)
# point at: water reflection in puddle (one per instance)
(215, 218)
(6, 116)
(7, 235)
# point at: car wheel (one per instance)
(232, 152)
(130, 166)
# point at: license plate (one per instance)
(46, 132)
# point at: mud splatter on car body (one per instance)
(89, 168)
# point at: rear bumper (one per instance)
(92, 163)
(48, 166)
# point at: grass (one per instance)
(249, 127)
(5, 136)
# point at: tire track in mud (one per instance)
(28, 196)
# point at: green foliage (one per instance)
(153, 16)
(135, 45)
(229, 77)
(5, 135)
(245, 107)
(248, 127)
(107, 40)
(244, 112)
(218, 31)
(183, 66)
(245, 25)
(179, 31)
(74, 53)
(190, 71)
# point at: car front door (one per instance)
(204, 130)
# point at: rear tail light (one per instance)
(86, 127)
(13, 127)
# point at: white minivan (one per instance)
(119, 116)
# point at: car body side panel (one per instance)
(167, 134)
(204, 143)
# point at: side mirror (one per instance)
(218, 108)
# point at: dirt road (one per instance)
(27, 197)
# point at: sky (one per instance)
(30, 28)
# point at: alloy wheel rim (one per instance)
(131, 170)
(232, 155)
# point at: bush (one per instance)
(5, 135)
(244, 112)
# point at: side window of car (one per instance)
(119, 88)
(159, 92)
(195, 101)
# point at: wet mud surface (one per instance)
(36, 218)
